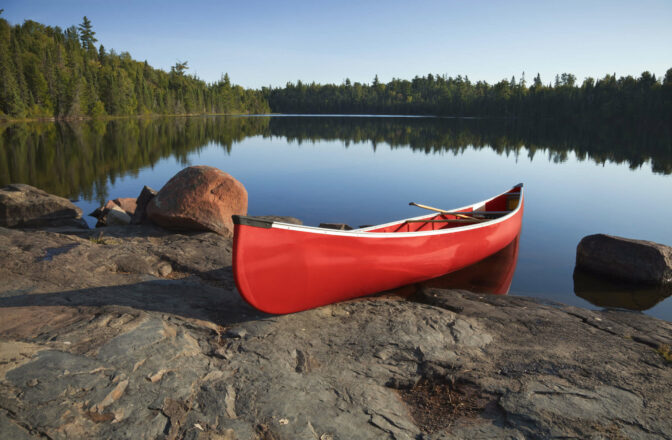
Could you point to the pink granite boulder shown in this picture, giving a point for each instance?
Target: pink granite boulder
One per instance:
(199, 198)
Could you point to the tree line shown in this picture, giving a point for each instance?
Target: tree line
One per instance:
(646, 99)
(79, 158)
(49, 72)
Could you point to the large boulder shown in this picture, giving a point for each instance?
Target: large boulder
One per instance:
(24, 206)
(624, 258)
(199, 198)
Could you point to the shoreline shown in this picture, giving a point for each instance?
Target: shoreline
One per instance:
(111, 117)
(4, 120)
(147, 330)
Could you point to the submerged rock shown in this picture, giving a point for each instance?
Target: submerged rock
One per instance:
(24, 206)
(626, 259)
(199, 198)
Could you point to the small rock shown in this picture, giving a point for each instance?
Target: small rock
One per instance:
(97, 213)
(237, 333)
(337, 226)
(128, 204)
(101, 213)
(157, 376)
(125, 205)
(140, 214)
(164, 269)
(627, 259)
(113, 396)
(133, 264)
(110, 204)
(117, 217)
(24, 206)
(199, 198)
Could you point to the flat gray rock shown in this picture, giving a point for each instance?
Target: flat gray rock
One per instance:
(96, 343)
(24, 206)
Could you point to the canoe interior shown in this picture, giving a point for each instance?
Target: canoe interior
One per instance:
(501, 204)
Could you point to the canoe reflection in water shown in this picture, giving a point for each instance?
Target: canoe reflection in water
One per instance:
(491, 275)
(603, 292)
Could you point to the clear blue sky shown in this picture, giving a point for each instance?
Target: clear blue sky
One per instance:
(272, 42)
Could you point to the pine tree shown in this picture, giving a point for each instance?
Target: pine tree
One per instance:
(86, 34)
(180, 67)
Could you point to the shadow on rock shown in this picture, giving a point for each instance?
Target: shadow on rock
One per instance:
(184, 297)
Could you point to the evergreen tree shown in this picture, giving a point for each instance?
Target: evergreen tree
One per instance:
(48, 72)
(86, 34)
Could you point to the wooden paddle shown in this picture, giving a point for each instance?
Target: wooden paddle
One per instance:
(459, 220)
(464, 215)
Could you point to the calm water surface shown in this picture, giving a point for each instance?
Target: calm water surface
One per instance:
(365, 170)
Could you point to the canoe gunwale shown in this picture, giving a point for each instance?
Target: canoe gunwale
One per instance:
(366, 232)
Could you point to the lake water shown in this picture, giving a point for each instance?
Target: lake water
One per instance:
(365, 170)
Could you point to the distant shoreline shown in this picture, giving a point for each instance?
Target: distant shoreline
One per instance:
(5, 120)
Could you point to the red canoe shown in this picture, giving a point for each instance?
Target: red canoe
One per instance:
(285, 268)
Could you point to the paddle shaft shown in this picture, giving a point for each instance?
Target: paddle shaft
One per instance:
(459, 220)
(464, 215)
(438, 210)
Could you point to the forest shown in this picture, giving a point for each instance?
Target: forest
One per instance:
(646, 100)
(47, 72)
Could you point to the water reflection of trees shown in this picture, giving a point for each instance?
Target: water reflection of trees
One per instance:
(78, 158)
(620, 144)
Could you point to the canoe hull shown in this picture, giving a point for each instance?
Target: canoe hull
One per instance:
(285, 269)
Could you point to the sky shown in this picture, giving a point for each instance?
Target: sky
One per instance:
(269, 43)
